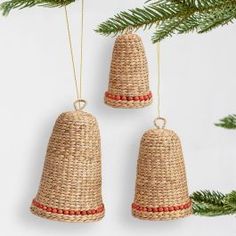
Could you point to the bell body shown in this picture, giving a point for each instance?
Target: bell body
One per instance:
(161, 184)
(129, 77)
(70, 188)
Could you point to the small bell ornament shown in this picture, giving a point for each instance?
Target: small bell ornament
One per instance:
(70, 188)
(161, 184)
(129, 77)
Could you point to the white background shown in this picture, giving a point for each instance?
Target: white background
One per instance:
(198, 88)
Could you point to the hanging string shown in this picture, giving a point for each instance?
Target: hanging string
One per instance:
(81, 45)
(158, 81)
(159, 122)
(78, 84)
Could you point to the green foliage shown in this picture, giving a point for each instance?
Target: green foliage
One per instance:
(7, 6)
(172, 16)
(228, 122)
(213, 203)
(231, 200)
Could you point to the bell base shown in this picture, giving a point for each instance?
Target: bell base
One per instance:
(66, 218)
(127, 104)
(162, 216)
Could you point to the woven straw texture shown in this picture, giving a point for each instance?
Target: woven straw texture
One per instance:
(129, 82)
(161, 185)
(70, 188)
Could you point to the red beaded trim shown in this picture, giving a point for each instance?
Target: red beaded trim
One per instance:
(68, 212)
(129, 98)
(162, 209)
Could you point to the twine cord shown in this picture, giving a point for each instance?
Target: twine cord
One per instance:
(159, 122)
(81, 45)
(158, 81)
(78, 83)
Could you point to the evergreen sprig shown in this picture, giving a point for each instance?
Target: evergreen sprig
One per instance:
(207, 203)
(172, 16)
(228, 122)
(7, 6)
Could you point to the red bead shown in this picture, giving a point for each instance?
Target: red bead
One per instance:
(54, 210)
(181, 207)
(149, 209)
(106, 94)
(160, 209)
(145, 98)
(133, 205)
(45, 208)
(49, 209)
(66, 212)
(89, 212)
(59, 211)
(129, 98)
(93, 211)
(141, 98)
(138, 208)
(109, 95)
(145, 209)
(165, 209)
(123, 98)
(77, 213)
(154, 209)
(136, 98)
(72, 212)
(171, 208)
(117, 97)
(83, 213)
(100, 209)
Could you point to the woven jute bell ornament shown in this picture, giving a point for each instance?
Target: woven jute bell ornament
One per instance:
(70, 188)
(129, 78)
(161, 184)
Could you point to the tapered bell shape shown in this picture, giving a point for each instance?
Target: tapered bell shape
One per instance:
(71, 183)
(161, 185)
(129, 77)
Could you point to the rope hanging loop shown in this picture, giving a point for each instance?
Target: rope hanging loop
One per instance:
(160, 122)
(80, 104)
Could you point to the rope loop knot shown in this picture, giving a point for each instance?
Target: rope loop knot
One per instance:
(160, 123)
(80, 104)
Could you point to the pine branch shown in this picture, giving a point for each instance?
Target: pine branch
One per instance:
(208, 197)
(228, 122)
(7, 6)
(213, 203)
(217, 18)
(166, 29)
(141, 17)
(173, 17)
(230, 200)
